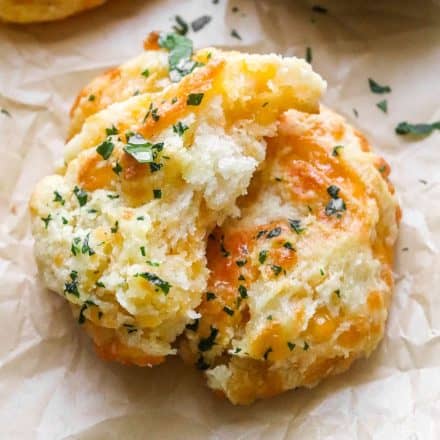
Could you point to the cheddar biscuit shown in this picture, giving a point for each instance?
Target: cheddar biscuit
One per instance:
(30, 11)
(121, 231)
(300, 283)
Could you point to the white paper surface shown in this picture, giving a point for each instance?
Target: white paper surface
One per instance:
(53, 386)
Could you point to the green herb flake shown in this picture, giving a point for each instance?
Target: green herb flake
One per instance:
(153, 263)
(228, 311)
(64, 220)
(241, 278)
(58, 198)
(200, 23)
(46, 220)
(274, 233)
(335, 151)
(377, 88)
(240, 263)
(404, 128)
(201, 364)
(210, 296)
(100, 284)
(142, 248)
(181, 27)
(225, 253)
(336, 205)
(81, 196)
(289, 246)
(86, 249)
(164, 286)
(194, 98)
(242, 291)
(81, 317)
(337, 293)
(157, 193)
(235, 34)
(321, 271)
(237, 350)
(142, 150)
(269, 317)
(333, 191)
(146, 73)
(261, 233)
(179, 60)
(71, 286)
(383, 105)
(206, 344)
(5, 112)
(276, 269)
(115, 228)
(296, 225)
(75, 248)
(306, 346)
(112, 131)
(291, 345)
(180, 128)
(105, 149)
(140, 218)
(154, 114)
(113, 196)
(262, 256)
(117, 168)
(309, 55)
(91, 98)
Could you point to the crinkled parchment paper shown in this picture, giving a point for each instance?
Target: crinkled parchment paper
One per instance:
(53, 386)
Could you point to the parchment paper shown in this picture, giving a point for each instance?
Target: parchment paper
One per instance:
(53, 386)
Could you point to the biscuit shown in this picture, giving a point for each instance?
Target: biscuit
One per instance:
(121, 231)
(300, 283)
(30, 11)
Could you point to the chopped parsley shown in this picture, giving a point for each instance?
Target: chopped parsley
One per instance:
(383, 105)
(179, 59)
(240, 263)
(91, 98)
(276, 269)
(86, 249)
(100, 284)
(180, 128)
(81, 195)
(5, 112)
(71, 287)
(274, 233)
(404, 128)
(130, 328)
(156, 281)
(142, 150)
(228, 310)
(142, 248)
(153, 263)
(289, 246)
(200, 23)
(154, 114)
(306, 346)
(64, 220)
(335, 151)
(210, 296)
(337, 293)
(117, 168)
(115, 228)
(309, 55)
(113, 196)
(201, 364)
(46, 220)
(296, 225)
(193, 326)
(181, 26)
(266, 353)
(111, 131)
(269, 317)
(206, 344)
(241, 278)
(242, 291)
(336, 205)
(157, 193)
(262, 256)
(235, 34)
(237, 350)
(86, 304)
(105, 149)
(58, 198)
(291, 345)
(223, 250)
(377, 88)
(261, 233)
(321, 271)
(146, 73)
(194, 99)
(74, 248)
(140, 218)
